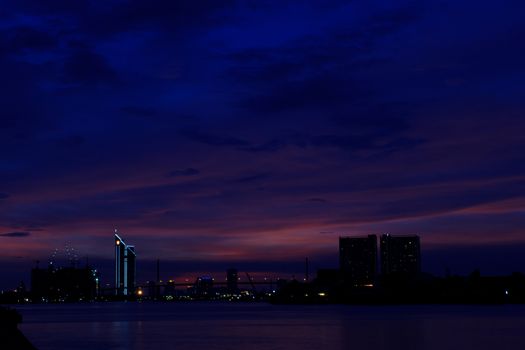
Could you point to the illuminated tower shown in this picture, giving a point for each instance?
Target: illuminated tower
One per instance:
(125, 272)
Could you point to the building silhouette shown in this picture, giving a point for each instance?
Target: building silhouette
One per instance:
(358, 260)
(231, 281)
(125, 267)
(203, 287)
(169, 289)
(400, 255)
(56, 284)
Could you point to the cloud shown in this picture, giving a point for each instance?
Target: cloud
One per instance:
(270, 146)
(345, 142)
(164, 16)
(15, 234)
(72, 141)
(36, 7)
(326, 92)
(379, 119)
(142, 112)
(372, 139)
(252, 178)
(389, 21)
(212, 139)
(317, 200)
(85, 67)
(21, 39)
(184, 172)
(366, 142)
(323, 70)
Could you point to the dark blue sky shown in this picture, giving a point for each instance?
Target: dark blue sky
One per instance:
(254, 133)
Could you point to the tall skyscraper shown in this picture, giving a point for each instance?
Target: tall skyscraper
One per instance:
(358, 260)
(125, 267)
(400, 255)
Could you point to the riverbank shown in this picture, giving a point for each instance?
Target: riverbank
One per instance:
(10, 336)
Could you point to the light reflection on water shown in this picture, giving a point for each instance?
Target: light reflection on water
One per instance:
(201, 325)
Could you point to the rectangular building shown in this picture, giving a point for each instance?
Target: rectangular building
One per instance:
(400, 255)
(64, 284)
(358, 260)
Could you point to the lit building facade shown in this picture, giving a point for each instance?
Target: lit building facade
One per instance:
(358, 260)
(125, 267)
(400, 255)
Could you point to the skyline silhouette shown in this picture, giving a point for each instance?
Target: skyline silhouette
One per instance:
(185, 271)
(368, 273)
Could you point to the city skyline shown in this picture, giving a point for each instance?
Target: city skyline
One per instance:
(248, 134)
(367, 273)
(362, 262)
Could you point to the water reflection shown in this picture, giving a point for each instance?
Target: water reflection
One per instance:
(261, 326)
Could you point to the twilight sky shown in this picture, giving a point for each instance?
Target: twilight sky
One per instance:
(254, 133)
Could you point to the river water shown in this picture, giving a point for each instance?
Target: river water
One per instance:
(207, 325)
